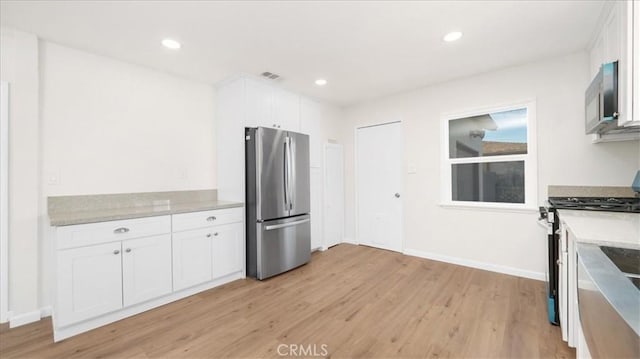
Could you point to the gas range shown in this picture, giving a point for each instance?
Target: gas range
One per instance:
(548, 220)
(613, 204)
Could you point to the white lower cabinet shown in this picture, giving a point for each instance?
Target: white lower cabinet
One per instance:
(103, 274)
(146, 268)
(89, 282)
(191, 258)
(227, 249)
(203, 254)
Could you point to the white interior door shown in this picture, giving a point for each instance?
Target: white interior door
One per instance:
(316, 208)
(4, 201)
(379, 186)
(333, 194)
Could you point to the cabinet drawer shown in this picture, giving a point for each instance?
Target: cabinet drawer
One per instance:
(193, 220)
(103, 232)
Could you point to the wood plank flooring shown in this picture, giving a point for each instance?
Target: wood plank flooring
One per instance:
(356, 300)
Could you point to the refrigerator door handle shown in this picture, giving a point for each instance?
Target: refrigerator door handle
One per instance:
(284, 225)
(292, 174)
(286, 173)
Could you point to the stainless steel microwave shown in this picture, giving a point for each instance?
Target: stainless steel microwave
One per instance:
(601, 100)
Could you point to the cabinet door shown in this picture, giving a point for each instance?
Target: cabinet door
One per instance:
(612, 35)
(636, 63)
(191, 258)
(146, 268)
(316, 208)
(259, 104)
(311, 124)
(227, 249)
(89, 282)
(286, 110)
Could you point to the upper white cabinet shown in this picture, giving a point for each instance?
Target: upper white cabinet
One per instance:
(616, 40)
(286, 110)
(312, 124)
(248, 102)
(258, 103)
(268, 106)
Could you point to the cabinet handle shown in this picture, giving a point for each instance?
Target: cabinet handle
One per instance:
(128, 250)
(215, 234)
(211, 219)
(121, 230)
(208, 235)
(117, 251)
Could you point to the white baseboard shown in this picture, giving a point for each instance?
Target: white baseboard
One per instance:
(24, 318)
(46, 311)
(29, 317)
(476, 264)
(349, 240)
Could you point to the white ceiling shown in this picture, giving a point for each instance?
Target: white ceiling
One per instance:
(364, 49)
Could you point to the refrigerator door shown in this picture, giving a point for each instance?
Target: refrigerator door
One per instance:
(300, 176)
(283, 245)
(271, 169)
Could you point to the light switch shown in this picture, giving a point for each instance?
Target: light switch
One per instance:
(53, 179)
(412, 169)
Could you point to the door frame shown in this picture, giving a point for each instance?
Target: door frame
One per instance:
(355, 179)
(4, 202)
(324, 191)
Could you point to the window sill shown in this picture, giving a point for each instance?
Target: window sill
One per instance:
(492, 207)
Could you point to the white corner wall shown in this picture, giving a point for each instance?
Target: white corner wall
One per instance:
(19, 67)
(504, 241)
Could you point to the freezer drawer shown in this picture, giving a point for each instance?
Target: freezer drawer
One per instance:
(283, 245)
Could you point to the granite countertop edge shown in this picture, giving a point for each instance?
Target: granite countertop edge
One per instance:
(614, 237)
(72, 218)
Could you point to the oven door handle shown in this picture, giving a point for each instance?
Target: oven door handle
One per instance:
(543, 223)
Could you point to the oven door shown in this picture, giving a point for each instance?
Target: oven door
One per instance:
(547, 219)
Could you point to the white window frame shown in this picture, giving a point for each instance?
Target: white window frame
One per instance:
(530, 159)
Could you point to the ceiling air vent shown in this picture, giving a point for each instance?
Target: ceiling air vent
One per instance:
(270, 75)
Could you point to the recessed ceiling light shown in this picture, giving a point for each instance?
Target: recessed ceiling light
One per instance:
(171, 44)
(452, 36)
(321, 82)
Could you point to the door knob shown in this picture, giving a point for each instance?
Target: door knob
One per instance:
(397, 195)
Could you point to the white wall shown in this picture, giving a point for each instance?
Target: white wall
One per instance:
(112, 127)
(19, 67)
(85, 124)
(509, 240)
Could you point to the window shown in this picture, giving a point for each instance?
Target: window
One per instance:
(490, 158)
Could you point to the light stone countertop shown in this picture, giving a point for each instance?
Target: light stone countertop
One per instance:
(589, 191)
(603, 228)
(70, 210)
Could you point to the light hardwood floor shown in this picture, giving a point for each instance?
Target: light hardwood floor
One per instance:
(359, 301)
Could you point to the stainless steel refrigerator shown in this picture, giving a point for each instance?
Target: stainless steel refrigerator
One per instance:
(278, 201)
